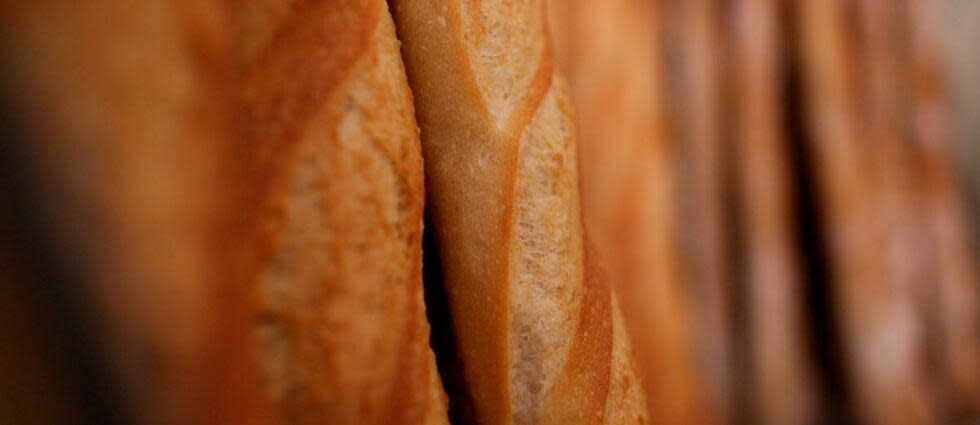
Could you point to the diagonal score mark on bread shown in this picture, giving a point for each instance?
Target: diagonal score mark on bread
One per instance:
(533, 322)
(507, 50)
(509, 60)
(547, 264)
(308, 52)
(336, 160)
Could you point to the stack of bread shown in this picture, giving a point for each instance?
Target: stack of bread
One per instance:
(679, 212)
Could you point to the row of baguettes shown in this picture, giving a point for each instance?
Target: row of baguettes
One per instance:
(252, 203)
(337, 164)
(222, 204)
(537, 324)
(639, 135)
(902, 275)
(788, 79)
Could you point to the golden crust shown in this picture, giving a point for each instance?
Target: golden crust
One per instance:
(481, 341)
(585, 380)
(502, 182)
(335, 158)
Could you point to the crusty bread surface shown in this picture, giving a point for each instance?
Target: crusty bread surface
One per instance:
(335, 159)
(533, 316)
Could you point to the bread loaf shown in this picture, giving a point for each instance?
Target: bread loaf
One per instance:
(335, 158)
(781, 373)
(614, 60)
(955, 255)
(886, 103)
(696, 68)
(127, 111)
(875, 314)
(537, 328)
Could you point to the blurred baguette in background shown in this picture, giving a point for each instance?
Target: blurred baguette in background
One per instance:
(781, 369)
(125, 174)
(875, 312)
(953, 247)
(612, 54)
(695, 57)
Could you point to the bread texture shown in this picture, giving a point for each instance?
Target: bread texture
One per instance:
(128, 116)
(335, 158)
(536, 327)
(614, 62)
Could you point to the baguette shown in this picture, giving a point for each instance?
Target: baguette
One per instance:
(537, 328)
(697, 121)
(611, 53)
(955, 255)
(128, 112)
(881, 89)
(780, 368)
(875, 314)
(335, 158)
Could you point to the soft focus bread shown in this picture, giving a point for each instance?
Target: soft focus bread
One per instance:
(780, 364)
(614, 62)
(128, 118)
(873, 311)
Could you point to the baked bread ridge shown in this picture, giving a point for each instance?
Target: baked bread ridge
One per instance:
(337, 217)
(532, 320)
